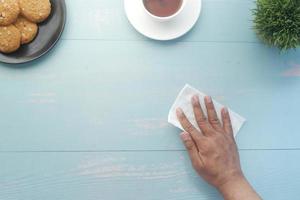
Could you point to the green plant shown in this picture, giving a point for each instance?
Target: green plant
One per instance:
(277, 22)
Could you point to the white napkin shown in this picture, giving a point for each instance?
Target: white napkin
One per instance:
(184, 102)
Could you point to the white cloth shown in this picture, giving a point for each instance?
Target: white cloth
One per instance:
(184, 102)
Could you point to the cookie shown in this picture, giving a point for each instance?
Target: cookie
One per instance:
(10, 39)
(9, 11)
(35, 10)
(27, 29)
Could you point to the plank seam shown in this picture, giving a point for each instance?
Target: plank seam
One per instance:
(190, 41)
(135, 150)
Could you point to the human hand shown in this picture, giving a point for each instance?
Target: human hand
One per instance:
(212, 150)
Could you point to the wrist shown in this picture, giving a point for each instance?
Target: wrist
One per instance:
(233, 182)
(238, 188)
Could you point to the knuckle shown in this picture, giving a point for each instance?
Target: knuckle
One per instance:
(229, 129)
(189, 127)
(210, 105)
(201, 122)
(227, 118)
(197, 105)
(189, 144)
(214, 121)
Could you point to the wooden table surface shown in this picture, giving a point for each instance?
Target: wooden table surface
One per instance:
(88, 120)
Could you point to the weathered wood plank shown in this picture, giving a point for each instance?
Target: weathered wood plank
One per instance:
(93, 95)
(220, 20)
(136, 175)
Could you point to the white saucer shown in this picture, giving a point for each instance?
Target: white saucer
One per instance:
(156, 30)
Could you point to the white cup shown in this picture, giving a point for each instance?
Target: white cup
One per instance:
(167, 18)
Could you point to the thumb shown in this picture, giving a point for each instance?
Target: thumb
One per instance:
(191, 149)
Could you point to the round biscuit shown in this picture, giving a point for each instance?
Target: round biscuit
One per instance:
(35, 10)
(9, 11)
(10, 39)
(27, 29)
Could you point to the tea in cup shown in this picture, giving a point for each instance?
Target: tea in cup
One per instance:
(163, 10)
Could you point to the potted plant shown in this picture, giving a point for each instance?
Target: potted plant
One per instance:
(277, 23)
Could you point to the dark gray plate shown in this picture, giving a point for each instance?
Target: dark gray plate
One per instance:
(48, 35)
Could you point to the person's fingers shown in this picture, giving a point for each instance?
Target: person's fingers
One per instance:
(200, 116)
(192, 150)
(226, 121)
(187, 126)
(212, 114)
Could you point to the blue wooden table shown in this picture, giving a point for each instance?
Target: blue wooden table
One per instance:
(88, 121)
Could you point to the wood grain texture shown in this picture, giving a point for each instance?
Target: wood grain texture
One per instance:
(136, 175)
(96, 95)
(220, 20)
(106, 90)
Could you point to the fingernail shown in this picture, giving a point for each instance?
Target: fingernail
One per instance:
(179, 111)
(208, 99)
(195, 100)
(185, 136)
